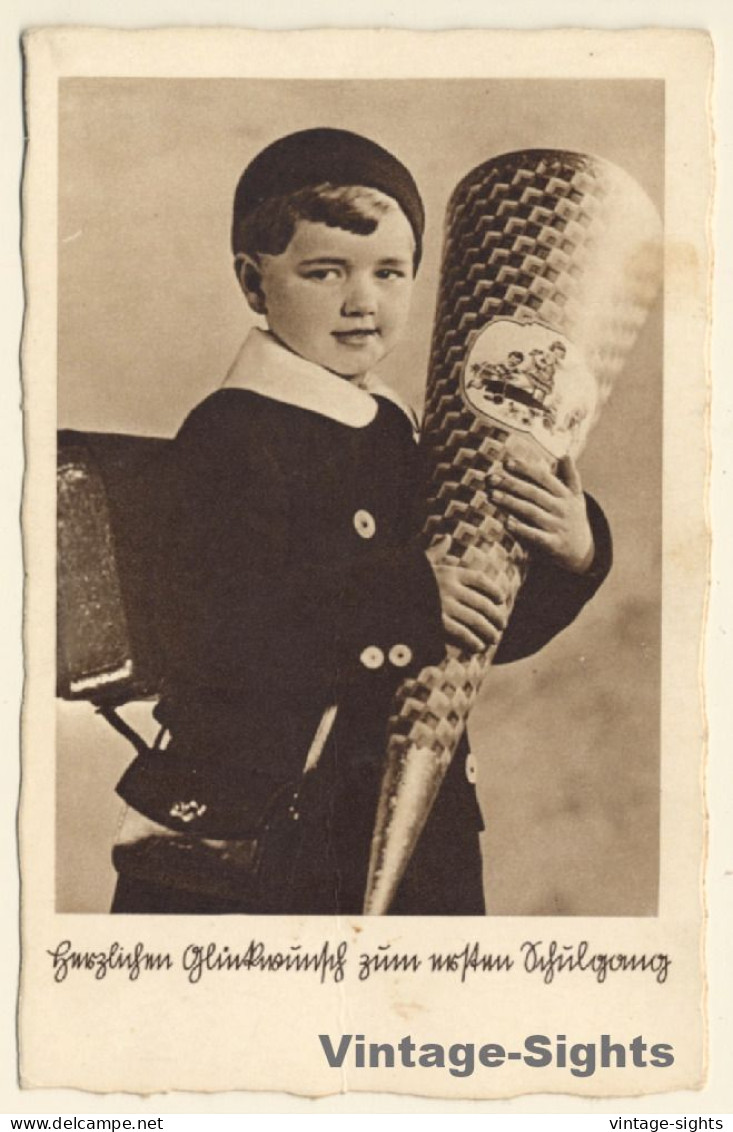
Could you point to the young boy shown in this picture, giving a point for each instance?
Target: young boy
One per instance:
(293, 589)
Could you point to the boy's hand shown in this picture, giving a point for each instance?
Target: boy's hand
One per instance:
(547, 511)
(474, 606)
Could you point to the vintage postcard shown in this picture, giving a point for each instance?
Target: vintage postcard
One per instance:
(365, 377)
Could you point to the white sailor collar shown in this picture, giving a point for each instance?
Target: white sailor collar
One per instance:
(263, 365)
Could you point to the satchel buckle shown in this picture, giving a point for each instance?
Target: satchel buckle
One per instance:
(188, 811)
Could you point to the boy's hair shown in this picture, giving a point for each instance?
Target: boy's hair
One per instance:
(269, 228)
(319, 174)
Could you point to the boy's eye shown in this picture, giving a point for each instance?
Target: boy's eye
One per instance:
(391, 273)
(321, 274)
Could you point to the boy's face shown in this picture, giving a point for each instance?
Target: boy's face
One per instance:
(337, 298)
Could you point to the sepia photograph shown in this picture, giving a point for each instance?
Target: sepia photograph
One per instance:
(328, 356)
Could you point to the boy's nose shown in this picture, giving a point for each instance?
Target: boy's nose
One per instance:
(359, 299)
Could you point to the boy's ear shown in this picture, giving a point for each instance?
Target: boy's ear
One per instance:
(249, 275)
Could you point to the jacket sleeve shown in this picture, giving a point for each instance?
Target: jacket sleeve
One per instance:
(551, 597)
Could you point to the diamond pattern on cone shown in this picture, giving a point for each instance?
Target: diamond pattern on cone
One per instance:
(551, 261)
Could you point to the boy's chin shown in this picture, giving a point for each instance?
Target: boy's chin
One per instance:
(350, 367)
(325, 358)
(343, 361)
(356, 363)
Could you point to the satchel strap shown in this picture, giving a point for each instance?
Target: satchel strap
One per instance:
(123, 728)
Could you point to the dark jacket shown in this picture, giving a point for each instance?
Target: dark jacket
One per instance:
(291, 576)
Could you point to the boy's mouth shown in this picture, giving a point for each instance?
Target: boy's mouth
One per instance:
(355, 337)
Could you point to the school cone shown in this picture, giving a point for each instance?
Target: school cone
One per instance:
(551, 262)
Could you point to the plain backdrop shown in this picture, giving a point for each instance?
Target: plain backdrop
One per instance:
(150, 317)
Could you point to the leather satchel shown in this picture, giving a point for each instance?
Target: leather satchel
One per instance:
(106, 508)
(235, 843)
(255, 867)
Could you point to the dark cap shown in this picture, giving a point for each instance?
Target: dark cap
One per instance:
(328, 156)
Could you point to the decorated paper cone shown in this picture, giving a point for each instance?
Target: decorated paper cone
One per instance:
(550, 265)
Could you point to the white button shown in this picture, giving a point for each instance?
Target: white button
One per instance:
(365, 524)
(372, 657)
(400, 655)
(471, 768)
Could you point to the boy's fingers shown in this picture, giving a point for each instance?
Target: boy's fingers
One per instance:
(568, 473)
(538, 473)
(529, 534)
(485, 584)
(525, 489)
(541, 516)
(497, 614)
(463, 636)
(474, 622)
